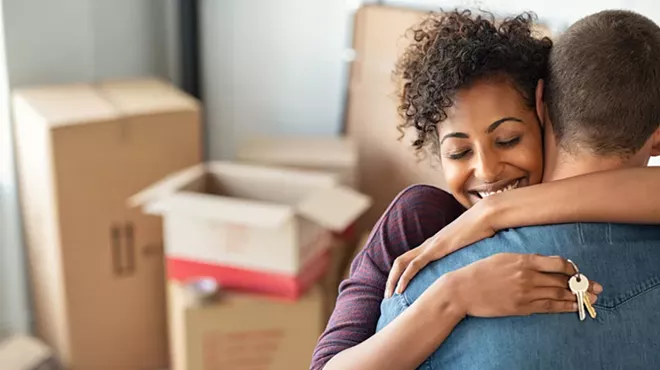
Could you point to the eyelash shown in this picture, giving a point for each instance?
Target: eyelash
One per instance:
(505, 144)
(511, 142)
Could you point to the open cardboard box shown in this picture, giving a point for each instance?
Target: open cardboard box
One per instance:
(248, 216)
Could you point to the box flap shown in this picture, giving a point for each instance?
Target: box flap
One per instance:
(334, 208)
(167, 186)
(146, 96)
(23, 352)
(222, 209)
(66, 105)
(320, 152)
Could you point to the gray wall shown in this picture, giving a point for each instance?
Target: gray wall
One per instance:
(272, 67)
(81, 40)
(68, 41)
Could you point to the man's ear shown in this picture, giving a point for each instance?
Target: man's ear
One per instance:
(655, 145)
(540, 104)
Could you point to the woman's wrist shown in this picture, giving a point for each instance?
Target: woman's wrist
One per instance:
(446, 298)
(492, 211)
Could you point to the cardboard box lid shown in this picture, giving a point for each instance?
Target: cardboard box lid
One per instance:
(318, 197)
(301, 151)
(334, 208)
(146, 96)
(66, 105)
(21, 352)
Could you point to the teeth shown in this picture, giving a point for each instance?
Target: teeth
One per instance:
(485, 194)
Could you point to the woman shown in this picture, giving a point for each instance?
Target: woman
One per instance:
(469, 90)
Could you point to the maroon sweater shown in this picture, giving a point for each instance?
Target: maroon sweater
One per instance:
(416, 214)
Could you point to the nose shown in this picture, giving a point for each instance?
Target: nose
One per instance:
(488, 167)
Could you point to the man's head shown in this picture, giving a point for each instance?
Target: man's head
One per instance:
(602, 94)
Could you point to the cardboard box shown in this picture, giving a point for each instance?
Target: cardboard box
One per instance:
(96, 267)
(21, 352)
(241, 332)
(248, 216)
(336, 155)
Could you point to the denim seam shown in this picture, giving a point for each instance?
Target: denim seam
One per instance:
(580, 235)
(406, 303)
(646, 286)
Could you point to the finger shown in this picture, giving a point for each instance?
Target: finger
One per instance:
(544, 279)
(552, 306)
(398, 267)
(555, 264)
(413, 268)
(551, 293)
(594, 287)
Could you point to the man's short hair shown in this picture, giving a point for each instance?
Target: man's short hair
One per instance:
(603, 88)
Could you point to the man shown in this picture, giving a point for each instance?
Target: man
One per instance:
(602, 111)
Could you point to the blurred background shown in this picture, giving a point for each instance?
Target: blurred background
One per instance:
(101, 99)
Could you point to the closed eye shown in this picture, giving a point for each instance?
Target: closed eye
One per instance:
(457, 155)
(509, 143)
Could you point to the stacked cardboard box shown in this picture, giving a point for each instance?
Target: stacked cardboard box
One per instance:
(337, 155)
(271, 230)
(243, 331)
(96, 266)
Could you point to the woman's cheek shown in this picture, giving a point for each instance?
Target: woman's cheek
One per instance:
(456, 174)
(531, 159)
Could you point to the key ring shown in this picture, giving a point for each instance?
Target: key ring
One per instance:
(577, 270)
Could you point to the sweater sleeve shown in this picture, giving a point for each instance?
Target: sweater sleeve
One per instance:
(416, 214)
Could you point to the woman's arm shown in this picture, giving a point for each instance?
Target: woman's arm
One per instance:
(622, 196)
(408, 340)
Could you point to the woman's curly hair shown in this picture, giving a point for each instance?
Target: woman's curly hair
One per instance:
(450, 51)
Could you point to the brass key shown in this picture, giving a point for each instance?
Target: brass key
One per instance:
(590, 308)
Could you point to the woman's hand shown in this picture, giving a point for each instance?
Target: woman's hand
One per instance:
(512, 284)
(473, 225)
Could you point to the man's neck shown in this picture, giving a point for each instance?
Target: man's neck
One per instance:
(565, 165)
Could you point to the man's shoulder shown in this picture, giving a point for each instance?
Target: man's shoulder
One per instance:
(577, 232)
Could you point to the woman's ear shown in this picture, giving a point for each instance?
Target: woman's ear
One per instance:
(540, 104)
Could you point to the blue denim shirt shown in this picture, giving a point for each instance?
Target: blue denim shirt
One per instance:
(625, 259)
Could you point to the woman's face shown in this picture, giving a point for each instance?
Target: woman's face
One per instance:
(490, 142)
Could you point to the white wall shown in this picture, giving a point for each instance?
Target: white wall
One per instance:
(67, 41)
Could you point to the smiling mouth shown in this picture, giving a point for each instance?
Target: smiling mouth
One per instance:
(486, 193)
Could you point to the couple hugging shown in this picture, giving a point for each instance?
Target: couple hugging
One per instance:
(544, 147)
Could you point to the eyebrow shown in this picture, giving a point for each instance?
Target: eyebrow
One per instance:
(497, 123)
(492, 127)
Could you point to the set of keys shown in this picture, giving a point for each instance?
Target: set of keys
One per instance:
(579, 284)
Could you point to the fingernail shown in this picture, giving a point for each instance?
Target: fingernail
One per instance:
(598, 288)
